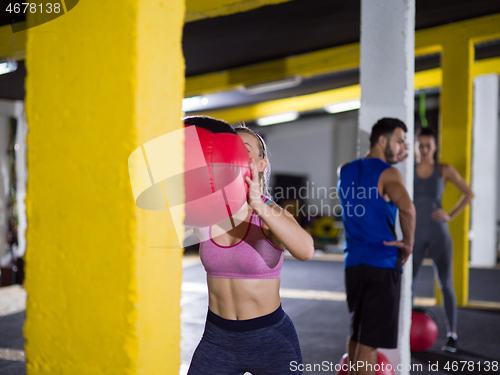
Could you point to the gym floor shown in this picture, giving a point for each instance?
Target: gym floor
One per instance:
(313, 296)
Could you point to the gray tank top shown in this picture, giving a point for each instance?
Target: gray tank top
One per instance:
(428, 192)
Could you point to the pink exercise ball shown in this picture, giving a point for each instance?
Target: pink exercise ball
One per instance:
(423, 332)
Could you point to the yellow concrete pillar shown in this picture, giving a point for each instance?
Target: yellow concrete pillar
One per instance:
(456, 146)
(103, 277)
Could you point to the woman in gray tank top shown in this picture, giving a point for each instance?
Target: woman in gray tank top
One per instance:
(432, 224)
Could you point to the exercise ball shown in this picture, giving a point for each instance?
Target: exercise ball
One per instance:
(423, 332)
(215, 166)
(383, 366)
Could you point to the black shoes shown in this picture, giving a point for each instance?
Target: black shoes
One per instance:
(451, 345)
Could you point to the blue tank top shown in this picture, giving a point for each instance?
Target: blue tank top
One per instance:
(368, 218)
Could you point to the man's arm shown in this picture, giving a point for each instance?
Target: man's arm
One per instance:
(391, 183)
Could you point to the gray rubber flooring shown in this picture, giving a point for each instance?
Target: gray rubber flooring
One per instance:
(322, 326)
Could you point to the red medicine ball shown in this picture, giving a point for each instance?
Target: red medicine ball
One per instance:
(216, 163)
(423, 332)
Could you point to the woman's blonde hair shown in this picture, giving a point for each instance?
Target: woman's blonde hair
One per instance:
(264, 176)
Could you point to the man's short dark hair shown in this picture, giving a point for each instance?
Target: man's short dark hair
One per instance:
(385, 127)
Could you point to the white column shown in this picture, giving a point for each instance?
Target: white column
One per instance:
(21, 175)
(4, 187)
(386, 75)
(8, 109)
(6, 112)
(484, 171)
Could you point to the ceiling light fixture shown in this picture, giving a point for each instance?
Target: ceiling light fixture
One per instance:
(278, 118)
(347, 105)
(282, 84)
(194, 103)
(8, 66)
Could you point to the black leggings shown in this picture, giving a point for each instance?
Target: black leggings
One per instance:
(267, 345)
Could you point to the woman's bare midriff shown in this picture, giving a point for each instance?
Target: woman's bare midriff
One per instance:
(242, 299)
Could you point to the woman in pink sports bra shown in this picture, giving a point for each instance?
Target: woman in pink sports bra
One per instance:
(246, 328)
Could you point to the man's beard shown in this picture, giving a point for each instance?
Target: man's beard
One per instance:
(390, 157)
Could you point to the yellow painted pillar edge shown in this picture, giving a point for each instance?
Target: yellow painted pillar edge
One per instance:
(486, 66)
(307, 65)
(456, 129)
(201, 9)
(300, 103)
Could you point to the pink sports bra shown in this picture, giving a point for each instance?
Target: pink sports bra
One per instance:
(254, 257)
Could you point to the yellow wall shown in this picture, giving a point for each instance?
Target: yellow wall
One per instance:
(102, 276)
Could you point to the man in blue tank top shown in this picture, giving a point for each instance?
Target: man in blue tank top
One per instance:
(371, 192)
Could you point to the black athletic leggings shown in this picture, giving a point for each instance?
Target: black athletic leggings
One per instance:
(267, 345)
